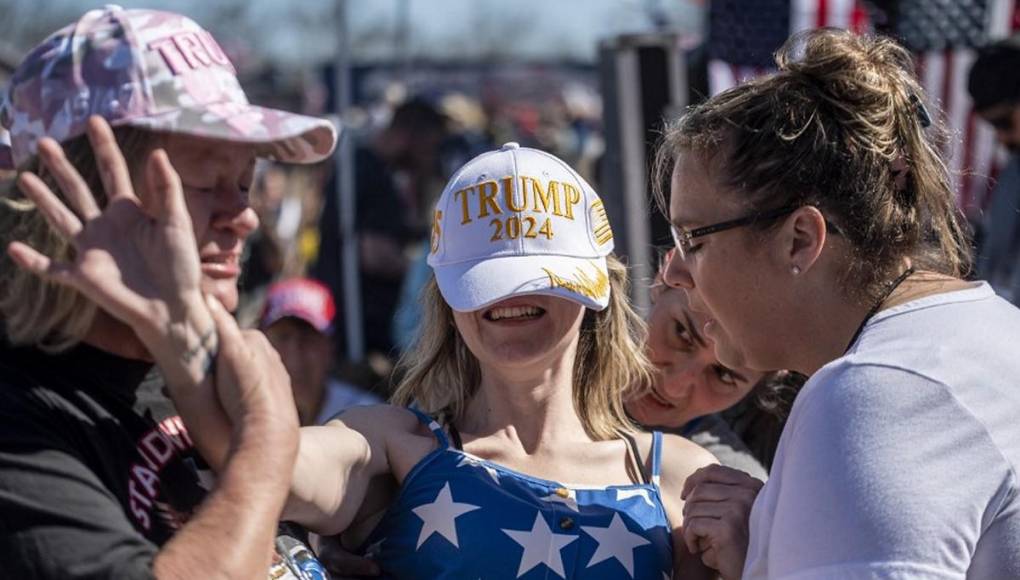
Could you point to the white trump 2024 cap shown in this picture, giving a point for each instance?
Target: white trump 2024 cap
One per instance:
(519, 221)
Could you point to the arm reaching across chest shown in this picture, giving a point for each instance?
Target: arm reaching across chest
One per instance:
(337, 461)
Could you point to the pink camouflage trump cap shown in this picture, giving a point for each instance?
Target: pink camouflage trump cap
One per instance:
(151, 70)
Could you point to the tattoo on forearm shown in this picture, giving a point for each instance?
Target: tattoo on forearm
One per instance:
(193, 352)
(210, 343)
(205, 352)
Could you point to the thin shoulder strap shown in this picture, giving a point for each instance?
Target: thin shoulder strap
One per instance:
(433, 426)
(458, 443)
(656, 457)
(635, 457)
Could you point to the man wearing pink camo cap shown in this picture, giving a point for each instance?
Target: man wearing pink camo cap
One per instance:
(129, 113)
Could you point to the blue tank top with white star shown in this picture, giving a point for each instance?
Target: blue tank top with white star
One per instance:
(459, 516)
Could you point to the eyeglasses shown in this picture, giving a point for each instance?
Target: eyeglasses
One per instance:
(683, 238)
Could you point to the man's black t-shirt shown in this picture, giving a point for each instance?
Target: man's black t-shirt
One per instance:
(96, 469)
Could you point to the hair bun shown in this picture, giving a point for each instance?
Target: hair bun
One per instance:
(847, 66)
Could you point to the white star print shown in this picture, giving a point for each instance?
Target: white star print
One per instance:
(622, 494)
(440, 516)
(616, 541)
(469, 460)
(541, 546)
(569, 500)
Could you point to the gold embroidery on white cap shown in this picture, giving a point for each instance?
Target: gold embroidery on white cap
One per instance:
(437, 230)
(492, 198)
(600, 223)
(593, 286)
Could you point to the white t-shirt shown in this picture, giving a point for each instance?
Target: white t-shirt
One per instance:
(900, 459)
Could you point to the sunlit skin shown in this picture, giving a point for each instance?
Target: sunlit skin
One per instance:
(770, 299)
(729, 301)
(690, 382)
(521, 343)
(216, 177)
(306, 353)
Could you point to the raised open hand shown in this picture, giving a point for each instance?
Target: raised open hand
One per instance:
(136, 258)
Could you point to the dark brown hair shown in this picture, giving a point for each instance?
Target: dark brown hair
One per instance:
(841, 126)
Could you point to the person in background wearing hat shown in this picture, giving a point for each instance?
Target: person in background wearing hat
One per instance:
(398, 176)
(298, 321)
(135, 147)
(994, 84)
(512, 452)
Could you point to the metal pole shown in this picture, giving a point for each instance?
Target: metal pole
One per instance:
(635, 178)
(346, 206)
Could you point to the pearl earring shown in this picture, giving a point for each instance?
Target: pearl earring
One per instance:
(796, 270)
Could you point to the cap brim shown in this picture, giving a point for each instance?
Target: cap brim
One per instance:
(283, 136)
(267, 321)
(473, 285)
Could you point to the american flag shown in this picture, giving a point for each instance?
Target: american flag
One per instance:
(942, 34)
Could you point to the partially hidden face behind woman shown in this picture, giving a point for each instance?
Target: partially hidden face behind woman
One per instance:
(690, 381)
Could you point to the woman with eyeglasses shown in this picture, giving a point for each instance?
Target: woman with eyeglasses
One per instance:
(691, 389)
(816, 230)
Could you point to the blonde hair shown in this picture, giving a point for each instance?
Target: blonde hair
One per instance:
(36, 312)
(841, 126)
(441, 375)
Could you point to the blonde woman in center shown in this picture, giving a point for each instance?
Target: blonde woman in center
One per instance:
(508, 453)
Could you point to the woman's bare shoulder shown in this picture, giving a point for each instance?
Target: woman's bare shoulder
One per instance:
(378, 422)
(681, 457)
(383, 414)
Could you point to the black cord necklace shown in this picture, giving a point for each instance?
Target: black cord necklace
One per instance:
(878, 304)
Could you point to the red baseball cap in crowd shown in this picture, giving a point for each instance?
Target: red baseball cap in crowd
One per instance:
(302, 298)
